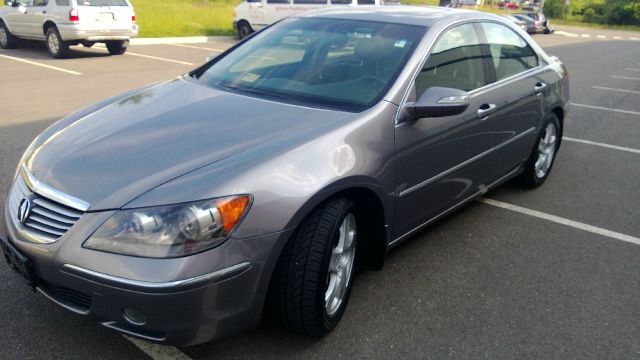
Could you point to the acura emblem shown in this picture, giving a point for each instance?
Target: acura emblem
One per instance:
(24, 210)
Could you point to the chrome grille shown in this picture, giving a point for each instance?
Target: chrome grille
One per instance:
(47, 221)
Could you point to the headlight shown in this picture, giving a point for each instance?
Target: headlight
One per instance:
(172, 230)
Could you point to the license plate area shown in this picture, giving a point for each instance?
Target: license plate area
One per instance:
(106, 17)
(18, 262)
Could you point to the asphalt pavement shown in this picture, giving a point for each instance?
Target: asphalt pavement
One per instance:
(486, 282)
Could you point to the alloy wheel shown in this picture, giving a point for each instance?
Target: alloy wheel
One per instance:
(341, 265)
(546, 151)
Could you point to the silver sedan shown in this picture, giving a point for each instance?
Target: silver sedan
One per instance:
(264, 179)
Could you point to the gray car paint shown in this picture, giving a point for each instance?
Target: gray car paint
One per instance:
(181, 141)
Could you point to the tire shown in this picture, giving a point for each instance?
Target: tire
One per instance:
(244, 29)
(544, 150)
(7, 40)
(117, 47)
(314, 262)
(57, 48)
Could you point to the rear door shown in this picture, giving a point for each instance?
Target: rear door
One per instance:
(517, 92)
(35, 17)
(105, 15)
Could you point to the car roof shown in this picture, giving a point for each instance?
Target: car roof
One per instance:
(411, 15)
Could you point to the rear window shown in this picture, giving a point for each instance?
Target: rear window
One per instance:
(102, 3)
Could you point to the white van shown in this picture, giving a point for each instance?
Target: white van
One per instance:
(253, 15)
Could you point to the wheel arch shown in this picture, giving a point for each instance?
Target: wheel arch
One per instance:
(374, 208)
(559, 112)
(48, 24)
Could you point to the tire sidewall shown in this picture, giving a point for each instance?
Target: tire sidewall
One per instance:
(244, 30)
(330, 321)
(549, 119)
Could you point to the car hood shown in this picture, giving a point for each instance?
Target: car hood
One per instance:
(119, 151)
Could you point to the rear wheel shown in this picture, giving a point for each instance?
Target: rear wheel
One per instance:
(56, 47)
(117, 47)
(313, 278)
(7, 40)
(244, 29)
(540, 162)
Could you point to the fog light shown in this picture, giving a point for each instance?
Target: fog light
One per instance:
(135, 317)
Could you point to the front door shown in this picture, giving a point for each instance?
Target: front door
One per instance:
(17, 18)
(443, 161)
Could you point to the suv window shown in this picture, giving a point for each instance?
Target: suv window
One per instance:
(456, 61)
(323, 2)
(40, 2)
(277, 1)
(510, 53)
(62, 2)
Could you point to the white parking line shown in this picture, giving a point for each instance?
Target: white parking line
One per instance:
(619, 90)
(585, 35)
(632, 69)
(606, 109)
(41, 65)
(608, 146)
(634, 38)
(624, 77)
(160, 58)
(567, 34)
(158, 352)
(601, 36)
(563, 221)
(197, 47)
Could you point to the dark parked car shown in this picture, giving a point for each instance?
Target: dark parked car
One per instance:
(522, 24)
(530, 26)
(540, 20)
(175, 212)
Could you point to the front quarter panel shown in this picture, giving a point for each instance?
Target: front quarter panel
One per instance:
(287, 182)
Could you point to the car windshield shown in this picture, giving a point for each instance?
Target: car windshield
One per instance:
(102, 3)
(338, 64)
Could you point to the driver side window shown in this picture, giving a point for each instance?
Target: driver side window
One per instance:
(40, 2)
(456, 61)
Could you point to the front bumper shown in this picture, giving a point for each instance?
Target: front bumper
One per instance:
(180, 312)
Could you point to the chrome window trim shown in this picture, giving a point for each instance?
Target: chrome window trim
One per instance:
(51, 193)
(541, 64)
(148, 285)
(464, 163)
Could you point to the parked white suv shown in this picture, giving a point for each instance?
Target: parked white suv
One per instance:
(253, 15)
(62, 23)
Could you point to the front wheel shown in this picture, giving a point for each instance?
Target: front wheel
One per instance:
(313, 278)
(538, 166)
(7, 40)
(56, 47)
(117, 47)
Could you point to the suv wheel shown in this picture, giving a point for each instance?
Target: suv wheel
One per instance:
(117, 47)
(313, 278)
(57, 48)
(7, 40)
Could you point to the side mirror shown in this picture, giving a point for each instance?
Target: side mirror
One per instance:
(438, 102)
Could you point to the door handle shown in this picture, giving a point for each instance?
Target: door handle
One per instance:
(486, 109)
(539, 87)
